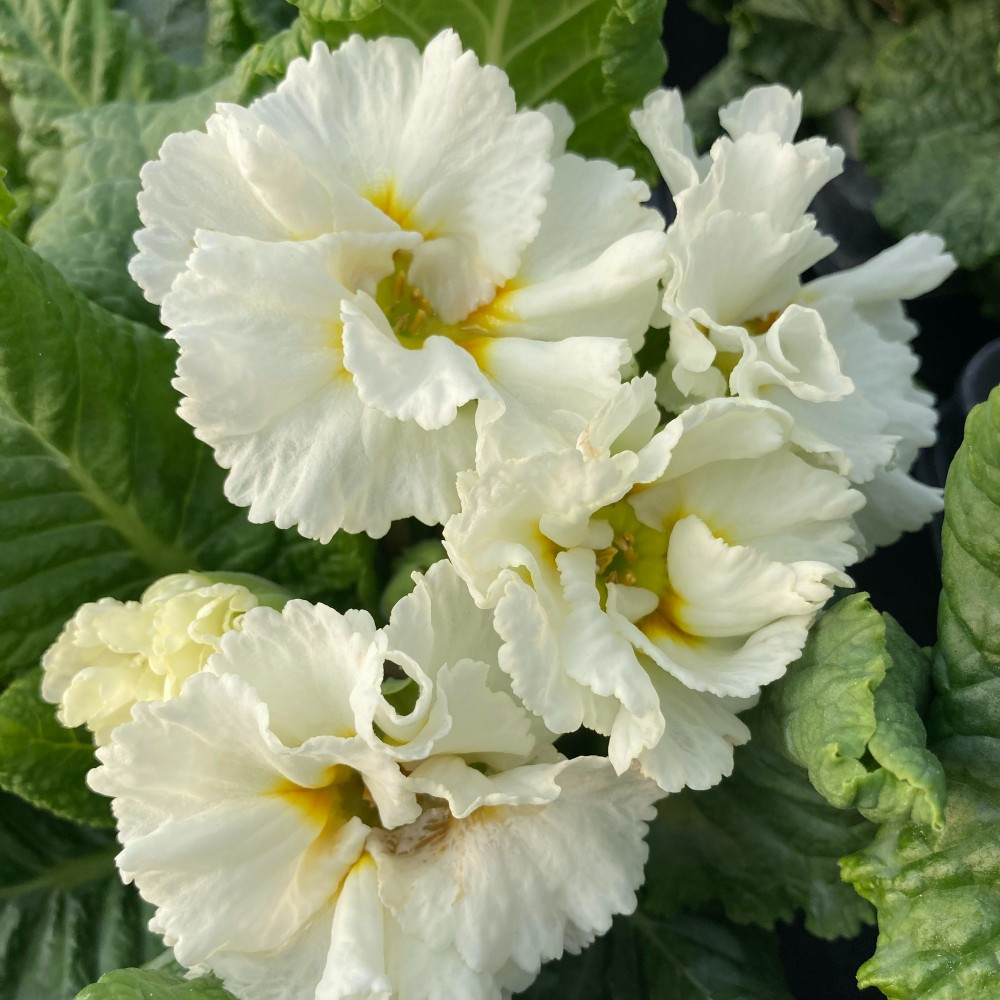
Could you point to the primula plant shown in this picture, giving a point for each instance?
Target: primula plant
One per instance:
(433, 485)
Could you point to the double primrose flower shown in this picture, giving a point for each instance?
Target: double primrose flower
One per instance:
(376, 264)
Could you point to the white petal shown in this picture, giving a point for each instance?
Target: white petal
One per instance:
(910, 268)
(696, 749)
(426, 385)
(761, 110)
(661, 126)
(895, 503)
(435, 141)
(545, 392)
(562, 124)
(318, 671)
(515, 882)
(210, 806)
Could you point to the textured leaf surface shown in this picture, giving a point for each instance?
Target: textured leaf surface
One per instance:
(58, 57)
(149, 984)
(764, 843)
(687, 958)
(599, 57)
(102, 487)
(849, 712)
(65, 916)
(938, 891)
(42, 761)
(87, 229)
(930, 129)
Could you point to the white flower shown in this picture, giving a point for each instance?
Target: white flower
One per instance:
(387, 260)
(833, 352)
(271, 811)
(641, 582)
(110, 655)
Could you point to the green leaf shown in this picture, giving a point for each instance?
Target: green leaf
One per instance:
(825, 48)
(44, 762)
(58, 57)
(337, 10)
(87, 229)
(7, 202)
(930, 129)
(150, 984)
(417, 558)
(599, 57)
(687, 958)
(763, 843)
(848, 711)
(938, 891)
(65, 917)
(102, 487)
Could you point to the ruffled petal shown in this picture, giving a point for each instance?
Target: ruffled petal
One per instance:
(517, 882)
(763, 110)
(662, 129)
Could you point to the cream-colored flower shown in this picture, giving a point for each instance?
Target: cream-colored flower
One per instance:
(642, 581)
(832, 352)
(374, 265)
(308, 827)
(111, 655)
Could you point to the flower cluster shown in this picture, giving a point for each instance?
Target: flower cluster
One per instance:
(395, 295)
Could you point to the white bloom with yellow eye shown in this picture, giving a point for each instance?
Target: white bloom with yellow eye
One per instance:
(833, 352)
(372, 265)
(641, 582)
(111, 655)
(356, 838)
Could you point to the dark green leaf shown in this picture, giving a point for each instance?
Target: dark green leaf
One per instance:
(930, 129)
(102, 487)
(764, 843)
(65, 917)
(44, 762)
(687, 958)
(599, 57)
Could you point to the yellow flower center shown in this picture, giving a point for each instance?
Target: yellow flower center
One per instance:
(413, 318)
(330, 806)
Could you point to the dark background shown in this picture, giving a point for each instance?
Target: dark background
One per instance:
(904, 579)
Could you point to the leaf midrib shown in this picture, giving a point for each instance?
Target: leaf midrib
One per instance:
(65, 875)
(161, 557)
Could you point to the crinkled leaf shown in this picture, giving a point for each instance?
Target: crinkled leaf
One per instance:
(44, 762)
(930, 129)
(938, 891)
(338, 10)
(599, 57)
(102, 487)
(825, 48)
(58, 57)
(848, 711)
(764, 843)
(151, 984)
(87, 229)
(686, 958)
(65, 916)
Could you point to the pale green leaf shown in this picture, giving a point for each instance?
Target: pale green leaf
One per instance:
(65, 917)
(337, 10)
(7, 202)
(151, 984)
(599, 57)
(930, 129)
(938, 891)
(58, 57)
(102, 487)
(848, 711)
(44, 762)
(87, 229)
